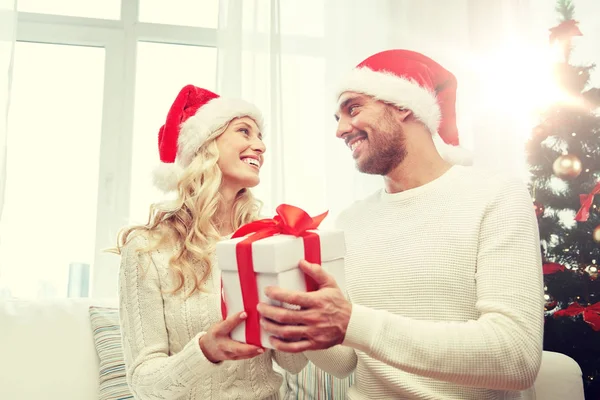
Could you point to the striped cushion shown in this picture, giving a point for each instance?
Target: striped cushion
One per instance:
(107, 338)
(312, 383)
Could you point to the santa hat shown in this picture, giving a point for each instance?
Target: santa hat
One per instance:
(414, 82)
(194, 117)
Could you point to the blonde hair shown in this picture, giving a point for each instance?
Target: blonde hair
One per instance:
(186, 223)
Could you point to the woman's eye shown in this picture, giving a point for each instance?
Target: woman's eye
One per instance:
(245, 131)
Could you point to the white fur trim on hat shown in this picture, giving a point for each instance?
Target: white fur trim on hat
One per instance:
(208, 119)
(394, 89)
(453, 154)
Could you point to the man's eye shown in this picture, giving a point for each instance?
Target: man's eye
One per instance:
(352, 110)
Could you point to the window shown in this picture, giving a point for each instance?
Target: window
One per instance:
(81, 87)
(303, 18)
(201, 13)
(297, 18)
(162, 70)
(304, 148)
(49, 217)
(106, 9)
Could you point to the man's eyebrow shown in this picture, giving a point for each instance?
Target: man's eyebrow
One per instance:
(347, 101)
(344, 104)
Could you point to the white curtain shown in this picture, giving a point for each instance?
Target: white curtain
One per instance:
(8, 27)
(286, 56)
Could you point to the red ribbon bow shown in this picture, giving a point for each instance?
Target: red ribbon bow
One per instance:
(552, 268)
(586, 203)
(591, 314)
(289, 220)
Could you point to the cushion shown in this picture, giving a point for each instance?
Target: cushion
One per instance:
(107, 338)
(312, 383)
(47, 350)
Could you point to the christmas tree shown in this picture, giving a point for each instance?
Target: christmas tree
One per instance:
(563, 155)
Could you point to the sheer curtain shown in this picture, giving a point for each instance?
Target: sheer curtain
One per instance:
(287, 56)
(8, 26)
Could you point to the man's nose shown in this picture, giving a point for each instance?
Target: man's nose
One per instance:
(344, 127)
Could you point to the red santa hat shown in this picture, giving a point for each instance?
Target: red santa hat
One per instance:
(194, 117)
(414, 82)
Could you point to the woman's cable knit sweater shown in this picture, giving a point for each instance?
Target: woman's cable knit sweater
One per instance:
(161, 332)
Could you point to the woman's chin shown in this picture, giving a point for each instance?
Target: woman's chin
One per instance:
(249, 182)
(253, 183)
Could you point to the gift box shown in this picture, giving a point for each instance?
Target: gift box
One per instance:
(266, 253)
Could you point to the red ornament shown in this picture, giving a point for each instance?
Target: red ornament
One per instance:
(550, 305)
(563, 33)
(538, 208)
(565, 30)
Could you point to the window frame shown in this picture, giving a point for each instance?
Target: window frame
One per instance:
(119, 38)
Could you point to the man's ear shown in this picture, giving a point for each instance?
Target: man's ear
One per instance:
(404, 114)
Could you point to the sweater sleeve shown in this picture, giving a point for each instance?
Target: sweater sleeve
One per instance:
(339, 361)
(293, 363)
(153, 373)
(502, 349)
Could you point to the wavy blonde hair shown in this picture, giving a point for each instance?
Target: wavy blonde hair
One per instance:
(186, 223)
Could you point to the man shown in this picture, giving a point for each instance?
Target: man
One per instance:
(443, 270)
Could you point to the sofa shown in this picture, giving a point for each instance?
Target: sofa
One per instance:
(50, 351)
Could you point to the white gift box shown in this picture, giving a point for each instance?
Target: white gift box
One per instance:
(275, 261)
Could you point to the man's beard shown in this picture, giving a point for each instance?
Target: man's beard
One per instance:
(386, 149)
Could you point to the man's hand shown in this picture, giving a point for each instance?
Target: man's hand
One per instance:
(319, 324)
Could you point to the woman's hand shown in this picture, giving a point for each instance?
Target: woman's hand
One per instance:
(218, 346)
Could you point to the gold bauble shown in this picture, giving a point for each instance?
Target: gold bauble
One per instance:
(567, 166)
(596, 234)
(540, 131)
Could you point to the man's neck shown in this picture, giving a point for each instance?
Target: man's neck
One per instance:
(414, 172)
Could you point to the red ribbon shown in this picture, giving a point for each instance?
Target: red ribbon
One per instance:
(586, 203)
(591, 314)
(289, 220)
(552, 268)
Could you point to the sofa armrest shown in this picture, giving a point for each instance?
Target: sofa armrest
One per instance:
(559, 378)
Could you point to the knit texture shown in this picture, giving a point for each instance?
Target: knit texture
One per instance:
(446, 285)
(160, 333)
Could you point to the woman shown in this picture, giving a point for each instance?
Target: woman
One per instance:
(176, 343)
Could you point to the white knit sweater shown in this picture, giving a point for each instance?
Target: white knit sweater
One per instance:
(446, 285)
(161, 332)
